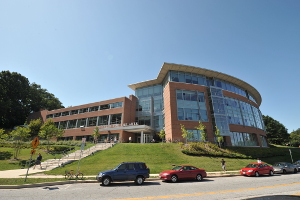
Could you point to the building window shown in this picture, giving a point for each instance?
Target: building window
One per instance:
(191, 105)
(104, 107)
(81, 122)
(116, 119)
(74, 112)
(103, 120)
(92, 121)
(72, 123)
(243, 139)
(65, 113)
(94, 108)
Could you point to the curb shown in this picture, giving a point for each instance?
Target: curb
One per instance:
(88, 181)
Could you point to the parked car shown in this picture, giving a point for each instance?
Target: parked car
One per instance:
(284, 167)
(183, 172)
(297, 164)
(257, 169)
(126, 171)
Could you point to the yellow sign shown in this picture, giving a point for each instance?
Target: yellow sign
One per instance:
(32, 152)
(35, 142)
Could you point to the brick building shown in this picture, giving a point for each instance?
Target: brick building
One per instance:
(179, 95)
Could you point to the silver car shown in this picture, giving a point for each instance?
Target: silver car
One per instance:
(297, 164)
(284, 167)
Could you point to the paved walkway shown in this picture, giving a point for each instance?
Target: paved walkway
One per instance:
(38, 173)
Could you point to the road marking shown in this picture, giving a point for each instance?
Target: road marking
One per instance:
(206, 193)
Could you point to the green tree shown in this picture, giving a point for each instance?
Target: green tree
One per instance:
(3, 135)
(41, 98)
(276, 132)
(295, 138)
(162, 134)
(35, 127)
(220, 138)
(18, 98)
(185, 133)
(50, 131)
(19, 135)
(14, 99)
(202, 128)
(96, 134)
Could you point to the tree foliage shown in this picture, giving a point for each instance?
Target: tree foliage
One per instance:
(185, 133)
(220, 138)
(18, 98)
(19, 135)
(295, 138)
(41, 98)
(14, 99)
(96, 134)
(35, 127)
(276, 132)
(162, 134)
(50, 131)
(202, 128)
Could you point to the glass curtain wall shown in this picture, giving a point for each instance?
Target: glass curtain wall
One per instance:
(149, 108)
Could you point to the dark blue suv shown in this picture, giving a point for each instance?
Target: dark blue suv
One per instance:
(126, 171)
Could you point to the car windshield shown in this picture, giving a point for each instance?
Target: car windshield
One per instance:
(251, 166)
(279, 164)
(177, 168)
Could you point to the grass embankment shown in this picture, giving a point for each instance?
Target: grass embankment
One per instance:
(159, 157)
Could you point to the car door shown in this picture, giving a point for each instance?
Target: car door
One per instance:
(183, 173)
(261, 169)
(121, 173)
(131, 171)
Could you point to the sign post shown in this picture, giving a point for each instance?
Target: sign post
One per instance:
(81, 149)
(291, 155)
(35, 142)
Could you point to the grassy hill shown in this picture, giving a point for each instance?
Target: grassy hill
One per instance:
(159, 157)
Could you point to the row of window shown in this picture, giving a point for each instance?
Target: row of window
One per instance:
(84, 110)
(243, 139)
(154, 90)
(91, 121)
(187, 77)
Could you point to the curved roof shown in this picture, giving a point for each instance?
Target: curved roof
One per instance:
(197, 70)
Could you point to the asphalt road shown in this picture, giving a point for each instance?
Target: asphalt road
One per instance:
(237, 187)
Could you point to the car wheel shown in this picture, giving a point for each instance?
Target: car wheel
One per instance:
(271, 173)
(106, 181)
(199, 177)
(139, 180)
(174, 178)
(295, 171)
(284, 171)
(256, 174)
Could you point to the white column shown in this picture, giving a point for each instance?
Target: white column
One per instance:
(142, 137)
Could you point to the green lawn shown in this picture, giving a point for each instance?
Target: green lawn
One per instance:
(159, 157)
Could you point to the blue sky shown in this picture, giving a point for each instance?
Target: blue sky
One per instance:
(89, 51)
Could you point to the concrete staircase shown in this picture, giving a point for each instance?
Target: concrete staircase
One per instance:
(77, 155)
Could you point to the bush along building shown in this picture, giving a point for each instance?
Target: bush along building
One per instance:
(180, 95)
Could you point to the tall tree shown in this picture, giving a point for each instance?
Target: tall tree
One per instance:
(18, 98)
(14, 99)
(295, 138)
(41, 98)
(185, 133)
(276, 132)
(201, 127)
(19, 135)
(96, 134)
(35, 127)
(50, 131)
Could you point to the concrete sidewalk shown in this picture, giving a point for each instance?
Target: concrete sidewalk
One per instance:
(38, 173)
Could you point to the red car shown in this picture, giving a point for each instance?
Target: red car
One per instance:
(257, 169)
(183, 172)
